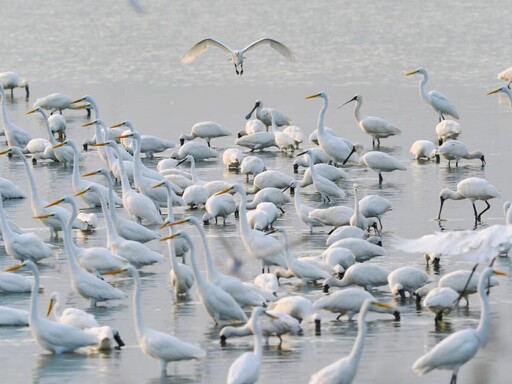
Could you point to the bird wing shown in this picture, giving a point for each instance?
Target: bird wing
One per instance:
(279, 47)
(197, 49)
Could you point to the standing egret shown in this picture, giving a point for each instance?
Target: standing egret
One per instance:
(456, 150)
(52, 336)
(423, 149)
(335, 147)
(407, 279)
(472, 188)
(381, 162)
(284, 141)
(219, 304)
(58, 102)
(374, 206)
(358, 219)
(441, 301)
(265, 115)
(303, 210)
(447, 129)
(252, 165)
(207, 130)
(436, 99)
(16, 136)
(344, 370)
(376, 127)
(366, 275)
(237, 55)
(460, 347)
(158, 345)
(246, 368)
(11, 80)
(148, 144)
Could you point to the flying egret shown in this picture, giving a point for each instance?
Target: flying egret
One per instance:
(207, 130)
(158, 345)
(349, 301)
(344, 370)
(436, 99)
(460, 347)
(472, 188)
(11, 80)
(456, 150)
(237, 55)
(52, 336)
(376, 127)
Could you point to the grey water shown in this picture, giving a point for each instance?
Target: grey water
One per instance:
(130, 63)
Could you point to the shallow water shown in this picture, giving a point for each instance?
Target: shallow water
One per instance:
(129, 63)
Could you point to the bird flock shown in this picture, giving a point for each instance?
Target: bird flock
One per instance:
(139, 202)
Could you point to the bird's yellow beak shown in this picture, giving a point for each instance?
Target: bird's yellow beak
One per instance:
(59, 145)
(90, 173)
(499, 273)
(313, 96)
(411, 73)
(115, 271)
(161, 184)
(167, 223)
(32, 111)
(170, 236)
(14, 268)
(117, 125)
(99, 144)
(224, 191)
(493, 92)
(82, 192)
(43, 216)
(77, 100)
(54, 203)
(90, 123)
(124, 136)
(382, 305)
(6, 151)
(50, 306)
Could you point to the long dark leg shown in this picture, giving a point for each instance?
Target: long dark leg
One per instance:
(467, 283)
(475, 212)
(241, 69)
(236, 70)
(454, 379)
(380, 179)
(479, 217)
(439, 317)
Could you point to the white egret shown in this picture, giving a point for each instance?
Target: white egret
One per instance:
(366, 275)
(298, 307)
(374, 206)
(246, 368)
(270, 195)
(318, 155)
(149, 145)
(265, 248)
(129, 229)
(265, 115)
(460, 347)
(344, 370)
(423, 149)
(38, 204)
(16, 136)
(207, 130)
(268, 282)
(257, 141)
(11, 283)
(198, 151)
(456, 150)
(219, 304)
(441, 301)
(464, 282)
(58, 102)
(284, 141)
(270, 178)
(52, 336)
(363, 250)
(376, 127)
(504, 89)
(327, 171)
(195, 194)
(274, 324)
(133, 251)
(335, 216)
(158, 345)
(295, 133)
(86, 284)
(349, 302)
(237, 55)
(407, 279)
(338, 256)
(358, 219)
(335, 147)
(232, 158)
(506, 75)
(252, 126)
(472, 188)
(9, 190)
(436, 99)
(258, 219)
(252, 165)
(303, 210)
(381, 162)
(139, 206)
(270, 209)
(219, 206)
(58, 126)
(447, 129)
(13, 316)
(63, 154)
(11, 80)
(24, 246)
(344, 232)
(74, 317)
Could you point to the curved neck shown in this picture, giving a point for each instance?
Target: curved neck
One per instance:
(94, 107)
(137, 310)
(112, 234)
(57, 308)
(290, 260)
(423, 92)
(193, 172)
(137, 164)
(211, 269)
(34, 309)
(356, 203)
(51, 138)
(170, 218)
(68, 241)
(76, 160)
(321, 116)
(111, 201)
(274, 127)
(35, 198)
(482, 330)
(453, 195)
(5, 118)
(357, 349)
(258, 340)
(4, 225)
(125, 183)
(357, 110)
(197, 274)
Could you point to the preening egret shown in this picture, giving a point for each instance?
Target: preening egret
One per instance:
(472, 188)
(366, 275)
(207, 130)
(407, 279)
(447, 129)
(50, 335)
(436, 99)
(344, 370)
(11, 80)
(456, 150)
(158, 345)
(219, 304)
(376, 127)
(460, 347)
(237, 55)
(424, 149)
(349, 302)
(16, 136)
